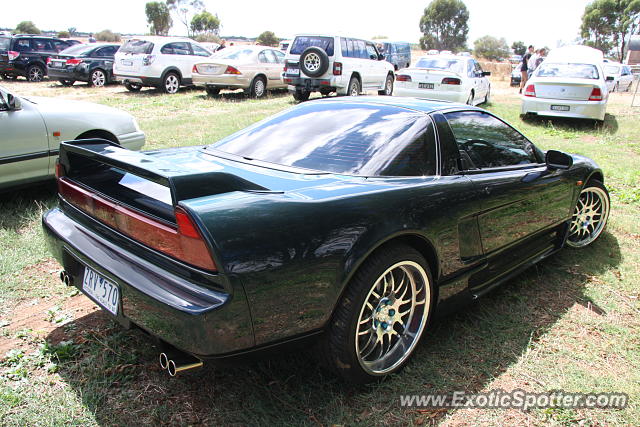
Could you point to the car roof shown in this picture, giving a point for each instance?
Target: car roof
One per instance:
(447, 56)
(423, 105)
(160, 39)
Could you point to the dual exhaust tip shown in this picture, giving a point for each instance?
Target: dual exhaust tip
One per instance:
(175, 363)
(65, 278)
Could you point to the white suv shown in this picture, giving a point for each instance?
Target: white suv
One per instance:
(345, 65)
(162, 62)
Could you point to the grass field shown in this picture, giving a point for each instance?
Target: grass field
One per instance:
(571, 323)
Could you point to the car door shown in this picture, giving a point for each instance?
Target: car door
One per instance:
(179, 55)
(376, 67)
(483, 82)
(523, 201)
(24, 146)
(44, 48)
(626, 79)
(103, 58)
(276, 62)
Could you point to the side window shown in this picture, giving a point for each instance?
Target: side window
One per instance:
(362, 49)
(418, 158)
(262, 57)
(199, 51)
(486, 142)
(478, 69)
(60, 45)
(43, 45)
(351, 44)
(178, 48)
(22, 45)
(470, 69)
(371, 52)
(279, 56)
(344, 47)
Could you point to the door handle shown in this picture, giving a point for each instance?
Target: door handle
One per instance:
(487, 190)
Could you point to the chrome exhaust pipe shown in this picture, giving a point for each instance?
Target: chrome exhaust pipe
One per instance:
(164, 361)
(175, 362)
(65, 278)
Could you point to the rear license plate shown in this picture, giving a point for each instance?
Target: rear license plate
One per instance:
(560, 107)
(425, 85)
(105, 292)
(293, 71)
(126, 63)
(58, 64)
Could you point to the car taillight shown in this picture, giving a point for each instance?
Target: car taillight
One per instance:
(148, 59)
(194, 69)
(403, 78)
(182, 241)
(451, 81)
(231, 70)
(74, 61)
(530, 91)
(596, 94)
(337, 68)
(12, 54)
(48, 61)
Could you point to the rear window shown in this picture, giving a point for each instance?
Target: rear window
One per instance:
(230, 53)
(441, 64)
(78, 49)
(352, 139)
(137, 46)
(5, 42)
(303, 42)
(572, 71)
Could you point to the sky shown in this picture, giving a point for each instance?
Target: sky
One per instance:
(539, 22)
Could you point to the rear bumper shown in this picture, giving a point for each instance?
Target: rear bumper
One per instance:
(594, 110)
(142, 80)
(14, 69)
(67, 74)
(222, 81)
(193, 317)
(335, 83)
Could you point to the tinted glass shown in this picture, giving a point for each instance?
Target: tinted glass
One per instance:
(59, 45)
(106, 52)
(361, 48)
(344, 47)
(454, 65)
(178, 48)
(573, 71)
(199, 51)
(22, 45)
(352, 47)
(136, 46)
(303, 42)
(279, 56)
(371, 52)
(4, 43)
(78, 49)
(341, 138)
(489, 142)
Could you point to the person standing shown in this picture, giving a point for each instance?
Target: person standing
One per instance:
(223, 44)
(524, 68)
(91, 38)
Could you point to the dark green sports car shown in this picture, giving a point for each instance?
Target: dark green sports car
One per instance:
(348, 221)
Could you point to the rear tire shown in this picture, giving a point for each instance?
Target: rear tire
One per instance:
(301, 95)
(487, 97)
(133, 87)
(258, 87)
(65, 82)
(212, 90)
(470, 99)
(381, 317)
(388, 87)
(354, 87)
(170, 83)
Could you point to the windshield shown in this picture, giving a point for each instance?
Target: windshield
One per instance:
(612, 69)
(231, 53)
(5, 42)
(572, 71)
(454, 65)
(78, 49)
(136, 46)
(303, 42)
(352, 139)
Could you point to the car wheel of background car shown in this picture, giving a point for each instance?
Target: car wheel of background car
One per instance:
(354, 86)
(9, 77)
(98, 78)
(470, 99)
(388, 86)
(258, 87)
(35, 73)
(212, 90)
(381, 317)
(301, 95)
(171, 83)
(314, 61)
(325, 92)
(590, 215)
(66, 82)
(132, 87)
(487, 97)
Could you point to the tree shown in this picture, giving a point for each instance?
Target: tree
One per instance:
(519, 48)
(607, 24)
(107, 36)
(205, 23)
(72, 30)
(491, 48)
(184, 8)
(268, 38)
(64, 35)
(159, 17)
(27, 27)
(444, 25)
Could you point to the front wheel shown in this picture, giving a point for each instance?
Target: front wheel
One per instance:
(388, 86)
(470, 99)
(590, 215)
(132, 87)
(35, 73)
(258, 88)
(98, 78)
(381, 317)
(487, 97)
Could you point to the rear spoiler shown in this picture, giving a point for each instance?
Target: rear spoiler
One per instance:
(80, 156)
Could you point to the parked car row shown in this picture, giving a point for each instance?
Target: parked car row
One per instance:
(26, 55)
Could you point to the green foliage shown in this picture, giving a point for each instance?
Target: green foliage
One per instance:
(107, 36)
(27, 27)
(444, 25)
(268, 38)
(159, 18)
(205, 23)
(64, 34)
(491, 48)
(72, 30)
(183, 9)
(207, 38)
(519, 48)
(607, 24)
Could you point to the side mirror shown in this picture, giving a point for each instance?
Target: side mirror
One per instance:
(558, 160)
(13, 103)
(609, 78)
(486, 73)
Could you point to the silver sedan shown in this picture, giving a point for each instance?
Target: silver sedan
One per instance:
(255, 69)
